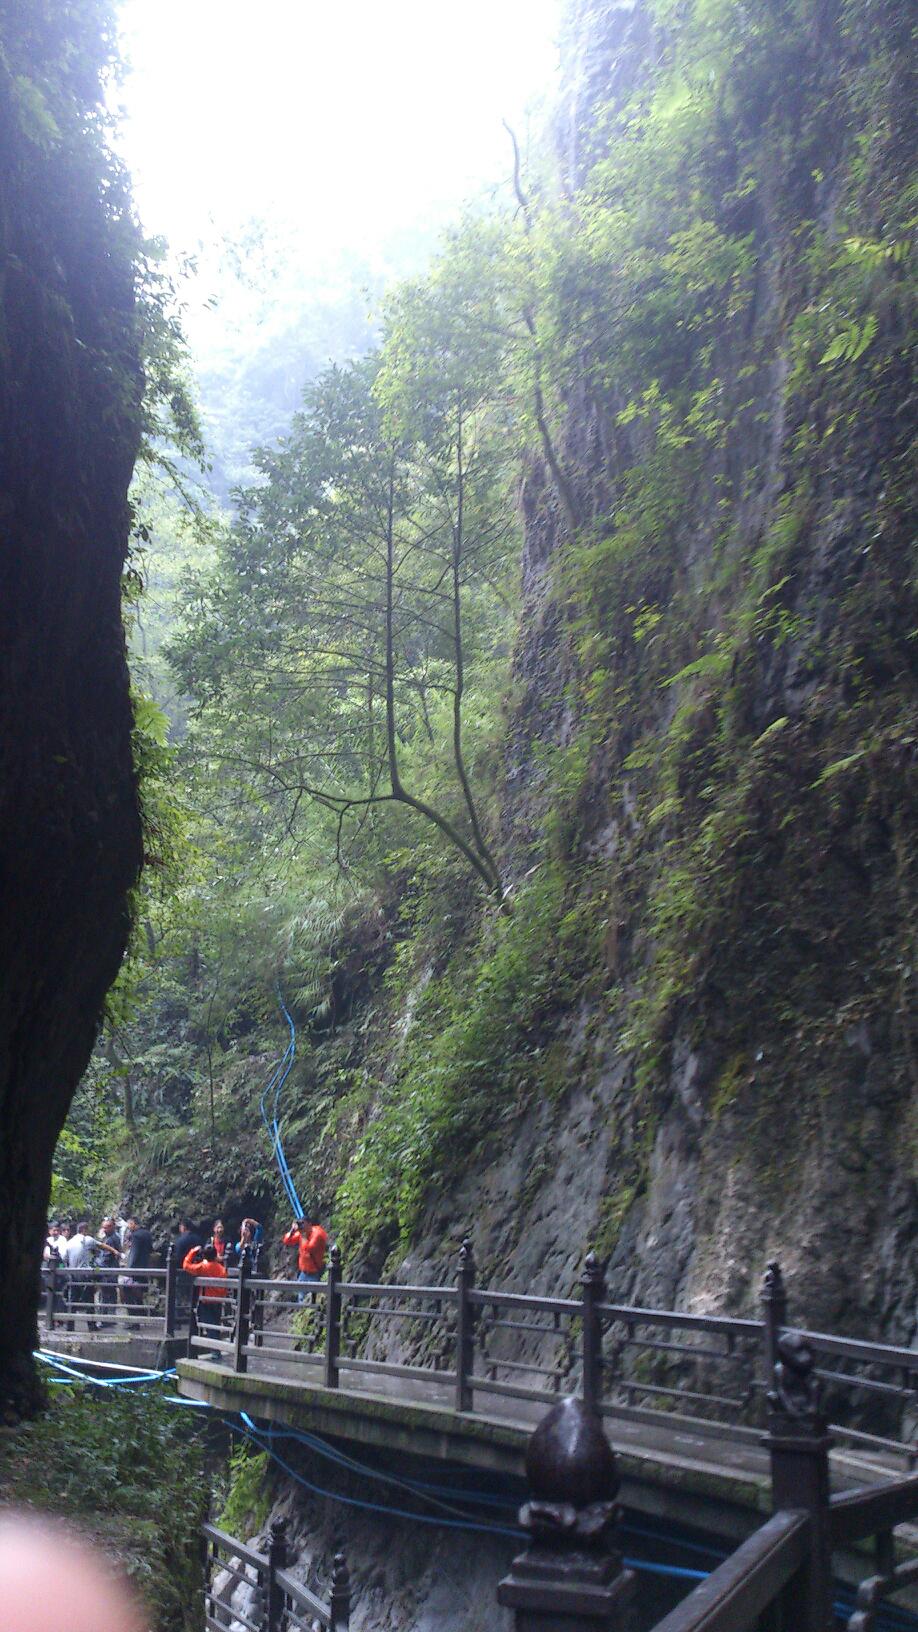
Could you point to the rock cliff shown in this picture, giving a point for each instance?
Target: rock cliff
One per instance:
(721, 661)
(691, 1046)
(69, 431)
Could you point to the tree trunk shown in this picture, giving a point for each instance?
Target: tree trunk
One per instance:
(70, 842)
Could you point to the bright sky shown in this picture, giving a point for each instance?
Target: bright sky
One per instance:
(347, 122)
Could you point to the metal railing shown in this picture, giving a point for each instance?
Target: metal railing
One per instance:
(780, 1579)
(481, 1343)
(106, 1299)
(647, 1365)
(274, 1601)
(761, 1576)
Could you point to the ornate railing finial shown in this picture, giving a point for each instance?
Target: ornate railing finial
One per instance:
(569, 1461)
(335, 1256)
(571, 1571)
(467, 1253)
(773, 1288)
(594, 1271)
(797, 1391)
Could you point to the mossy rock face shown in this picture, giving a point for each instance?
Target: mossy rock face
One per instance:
(734, 657)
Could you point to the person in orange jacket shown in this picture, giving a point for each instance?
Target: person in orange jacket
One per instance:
(204, 1261)
(311, 1242)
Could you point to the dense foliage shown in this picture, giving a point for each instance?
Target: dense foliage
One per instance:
(103, 1458)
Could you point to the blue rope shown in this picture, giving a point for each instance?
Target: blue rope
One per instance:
(271, 1119)
(72, 1375)
(251, 1433)
(891, 1618)
(263, 1437)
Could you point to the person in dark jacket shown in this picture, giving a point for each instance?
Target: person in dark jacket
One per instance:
(251, 1237)
(108, 1257)
(187, 1238)
(140, 1250)
(138, 1247)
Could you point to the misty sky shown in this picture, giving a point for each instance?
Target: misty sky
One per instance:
(346, 123)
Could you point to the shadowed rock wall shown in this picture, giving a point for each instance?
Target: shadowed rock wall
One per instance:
(70, 842)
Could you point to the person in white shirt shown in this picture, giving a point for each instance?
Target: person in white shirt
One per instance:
(80, 1254)
(81, 1248)
(52, 1258)
(51, 1253)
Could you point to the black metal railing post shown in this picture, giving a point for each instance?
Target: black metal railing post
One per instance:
(192, 1317)
(340, 1601)
(204, 1559)
(256, 1318)
(773, 1298)
(169, 1306)
(277, 1560)
(571, 1574)
(593, 1292)
(465, 1326)
(798, 1444)
(333, 1318)
(241, 1331)
(50, 1295)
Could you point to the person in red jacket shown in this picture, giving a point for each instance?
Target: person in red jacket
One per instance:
(311, 1242)
(204, 1261)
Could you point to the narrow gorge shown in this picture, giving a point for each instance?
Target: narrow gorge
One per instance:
(529, 725)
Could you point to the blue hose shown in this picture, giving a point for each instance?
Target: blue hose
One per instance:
(263, 1437)
(890, 1619)
(72, 1375)
(271, 1118)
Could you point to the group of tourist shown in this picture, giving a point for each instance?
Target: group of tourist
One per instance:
(212, 1260)
(208, 1256)
(126, 1250)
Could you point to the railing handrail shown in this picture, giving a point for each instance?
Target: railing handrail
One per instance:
(267, 1283)
(104, 1271)
(635, 1315)
(379, 1289)
(746, 1583)
(856, 1348)
(898, 1355)
(869, 1511)
(525, 1300)
(232, 1544)
(304, 1596)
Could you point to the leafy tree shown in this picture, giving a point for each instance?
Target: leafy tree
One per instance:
(333, 643)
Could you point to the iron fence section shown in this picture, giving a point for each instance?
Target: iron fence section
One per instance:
(482, 1342)
(277, 1601)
